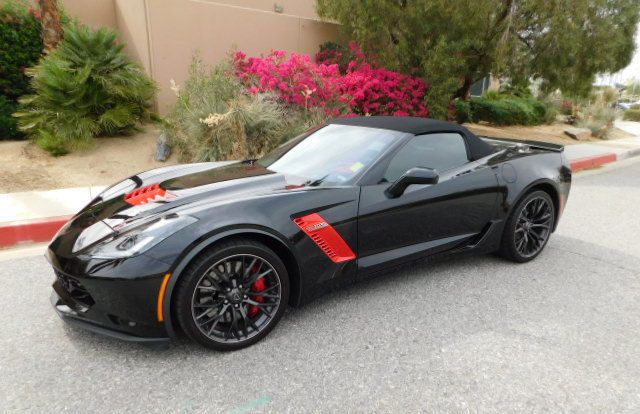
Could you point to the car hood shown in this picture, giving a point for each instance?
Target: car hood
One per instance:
(168, 189)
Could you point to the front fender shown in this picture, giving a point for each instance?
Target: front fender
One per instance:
(184, 260)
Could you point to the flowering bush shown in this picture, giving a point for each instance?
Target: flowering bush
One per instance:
(333, 53)
(296, 79)
(20, 47)
(364, 89)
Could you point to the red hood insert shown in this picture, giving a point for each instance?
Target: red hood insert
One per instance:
(146, 194)
(326, 237)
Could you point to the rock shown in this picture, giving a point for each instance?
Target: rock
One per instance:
(163, 150)
(580, 134)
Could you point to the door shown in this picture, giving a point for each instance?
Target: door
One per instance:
(425, 219)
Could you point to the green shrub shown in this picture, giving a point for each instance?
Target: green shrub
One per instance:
(8, 128)
(520, 88)
(20, 47)
(85, 88)
(215, 118)
(503, 109)
(463, 111)
(609, 94)
(631, 115)
(598, 118)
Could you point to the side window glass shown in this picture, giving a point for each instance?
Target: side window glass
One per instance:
(440, 151)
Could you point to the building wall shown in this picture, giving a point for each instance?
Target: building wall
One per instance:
(95, 13)
(131, 18)
(163, 35)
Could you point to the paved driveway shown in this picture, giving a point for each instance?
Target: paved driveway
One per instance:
(560, 334)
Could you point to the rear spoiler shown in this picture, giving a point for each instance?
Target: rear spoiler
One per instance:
(533, 144)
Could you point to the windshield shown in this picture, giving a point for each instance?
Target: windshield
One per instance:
(332, 155)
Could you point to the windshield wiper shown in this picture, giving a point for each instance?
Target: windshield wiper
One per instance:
(315, 183)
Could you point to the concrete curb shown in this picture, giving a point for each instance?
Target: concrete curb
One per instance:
(593, 161)
(30, 231)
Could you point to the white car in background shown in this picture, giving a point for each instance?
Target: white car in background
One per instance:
(628, 105)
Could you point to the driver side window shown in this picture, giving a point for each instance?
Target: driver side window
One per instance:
(440, 151)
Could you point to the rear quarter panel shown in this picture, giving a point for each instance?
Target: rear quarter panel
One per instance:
(519, 171)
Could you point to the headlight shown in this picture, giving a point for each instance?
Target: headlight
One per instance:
(140, 239)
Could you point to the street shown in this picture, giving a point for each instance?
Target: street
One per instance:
(477, 334)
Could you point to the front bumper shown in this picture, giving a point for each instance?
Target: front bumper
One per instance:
(70, 316)
(114, 298)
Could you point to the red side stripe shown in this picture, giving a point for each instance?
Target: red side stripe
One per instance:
(326, 237)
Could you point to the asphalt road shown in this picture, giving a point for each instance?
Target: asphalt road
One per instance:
(560, 334)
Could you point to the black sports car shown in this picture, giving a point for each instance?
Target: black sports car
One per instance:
(219, 250)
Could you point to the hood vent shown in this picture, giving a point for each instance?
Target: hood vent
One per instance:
(146, 194)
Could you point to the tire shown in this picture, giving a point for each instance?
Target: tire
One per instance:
(528, 229)
(232, 295)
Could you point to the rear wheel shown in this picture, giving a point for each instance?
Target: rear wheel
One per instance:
(529, 227)
(232, 295)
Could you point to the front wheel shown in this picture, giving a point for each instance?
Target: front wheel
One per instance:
(528, 228)
(232, 295)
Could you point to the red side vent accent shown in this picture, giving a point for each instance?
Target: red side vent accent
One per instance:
(145, 194)
(326, 237)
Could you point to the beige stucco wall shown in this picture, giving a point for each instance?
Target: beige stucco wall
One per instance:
(302, 8)
(163, 35)
(95, 13)
(179, 28)
(131, 18)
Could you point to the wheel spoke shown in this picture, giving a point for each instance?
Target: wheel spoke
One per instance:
(257, 276)
(210, 305)
(248, 269)
(269, 289)
(541, 226)
(247, 319)
(262, 295)
(216, 317)
(543, 219)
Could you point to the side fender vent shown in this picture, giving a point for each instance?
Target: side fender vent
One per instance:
(326, 237)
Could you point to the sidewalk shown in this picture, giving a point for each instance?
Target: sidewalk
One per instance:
(36, 216)
(584, 156)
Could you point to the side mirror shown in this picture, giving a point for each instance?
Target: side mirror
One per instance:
(417, 175)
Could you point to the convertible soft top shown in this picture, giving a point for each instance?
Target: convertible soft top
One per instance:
(417, 126)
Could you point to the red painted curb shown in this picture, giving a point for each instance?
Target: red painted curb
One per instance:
(592, 162)
(30, 231)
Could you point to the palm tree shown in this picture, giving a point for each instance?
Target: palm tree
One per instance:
(51, 27)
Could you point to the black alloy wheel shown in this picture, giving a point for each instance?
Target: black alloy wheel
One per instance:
(233, 295)
(529, 227)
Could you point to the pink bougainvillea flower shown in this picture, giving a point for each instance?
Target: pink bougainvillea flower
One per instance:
(364, 89)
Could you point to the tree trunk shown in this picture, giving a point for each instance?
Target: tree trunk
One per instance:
(465, 90)
(51, 27)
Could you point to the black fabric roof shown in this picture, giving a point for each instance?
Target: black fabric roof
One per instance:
(415, 125)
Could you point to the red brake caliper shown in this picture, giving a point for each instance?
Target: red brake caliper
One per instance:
(258, 286)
